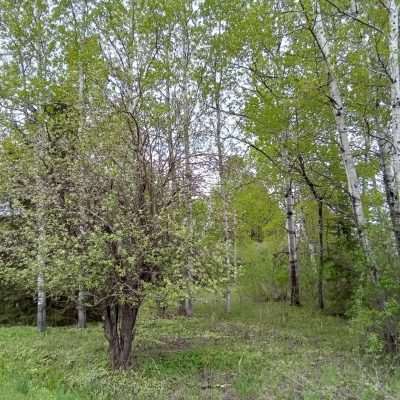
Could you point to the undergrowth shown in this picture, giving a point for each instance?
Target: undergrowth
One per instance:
(259, 351)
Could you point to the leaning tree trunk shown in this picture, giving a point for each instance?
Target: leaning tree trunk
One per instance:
(119, 329)
(338, 109)
(292, 247)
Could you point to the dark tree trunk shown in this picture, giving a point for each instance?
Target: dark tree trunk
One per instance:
(320, 200)
(294, 287)
(119, 328)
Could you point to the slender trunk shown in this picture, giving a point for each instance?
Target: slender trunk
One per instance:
(321, 255)
(226, 224)
(338, 109)
(81, 308)
(390, 150)
(119, 329)
(394, 69)
(41, 258)
(41, 303)
(292, 247)
(392, 197)
(319, 199)
(161, 300)
(188, 303)
(235, 249)
(354, 7)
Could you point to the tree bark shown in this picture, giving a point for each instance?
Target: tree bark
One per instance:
(292, 247)
(320, 201)
(187, 303)
(392, 197)
(391, 150)
(41, 320)
(226, 227)
(119, 329)
(81, 308)
(41, 304)
(394, 70)
(338, 109)
(82, 318)
(321, 301)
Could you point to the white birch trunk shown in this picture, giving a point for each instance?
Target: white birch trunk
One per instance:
(41, 320)
(343, 132)
(395, 85)
(226, 227)
(392, 150)
(188, 181)
(292, 246)
(81, 308)
(188, 304)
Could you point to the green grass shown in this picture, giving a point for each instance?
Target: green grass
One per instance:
(263, 351)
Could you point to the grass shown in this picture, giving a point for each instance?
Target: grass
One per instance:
(263, 351)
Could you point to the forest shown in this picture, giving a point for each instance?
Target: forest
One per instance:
(199, 199)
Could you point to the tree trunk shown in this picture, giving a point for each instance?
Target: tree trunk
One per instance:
(41, 304)
(187, 303)
(392, 150)
(392, 197)
(228, 294)
(228, 299)
(119, 329)
(321, 255)
(292, 247)
(394, 69)
(319, 199)
(348, 161)
(81, 309)
(41, 320)
(226, 224)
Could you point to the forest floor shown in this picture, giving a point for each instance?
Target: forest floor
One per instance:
(263, 351)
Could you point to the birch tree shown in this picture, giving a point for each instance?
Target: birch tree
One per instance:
(339, 111)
